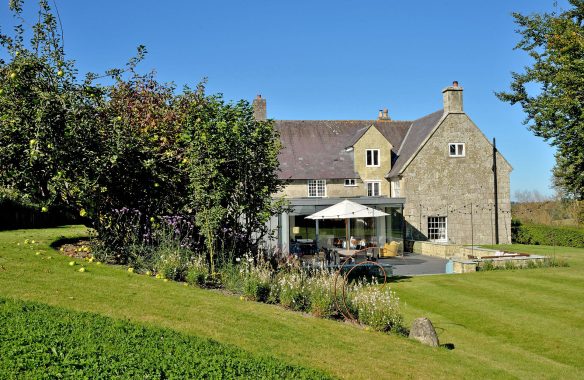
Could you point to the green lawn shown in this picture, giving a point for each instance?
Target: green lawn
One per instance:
(33, 346)
(509, 324)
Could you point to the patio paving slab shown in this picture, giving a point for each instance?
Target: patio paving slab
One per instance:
(414, 265)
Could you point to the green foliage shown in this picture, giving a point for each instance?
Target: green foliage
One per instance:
(376, 306)
(33, 345)
(293, 290)
(555, 42)
(197, 272)
(547, 235)
(547, 262)
(487, 265)
(233, 164)
(127, 154)
(323, 298)
(257, 282)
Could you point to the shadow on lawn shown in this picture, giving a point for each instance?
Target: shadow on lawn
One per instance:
(396, 279)
(64, 240)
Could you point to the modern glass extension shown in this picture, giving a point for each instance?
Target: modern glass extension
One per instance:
(295, 234)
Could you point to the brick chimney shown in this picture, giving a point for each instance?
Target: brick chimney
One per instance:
(259, 108)
(452, 98)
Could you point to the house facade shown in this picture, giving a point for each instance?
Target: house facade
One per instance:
(433, 176)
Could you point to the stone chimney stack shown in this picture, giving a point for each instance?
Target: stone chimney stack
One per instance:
(383, 114)
(259, 108)
(452, 98)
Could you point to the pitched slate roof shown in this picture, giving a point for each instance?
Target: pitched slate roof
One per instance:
(417, 134)
(317, 149)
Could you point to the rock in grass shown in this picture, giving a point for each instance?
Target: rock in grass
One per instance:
(424, 332)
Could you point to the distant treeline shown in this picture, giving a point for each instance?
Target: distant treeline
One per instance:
(550, 213)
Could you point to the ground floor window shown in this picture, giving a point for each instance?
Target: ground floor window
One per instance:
(437, 228)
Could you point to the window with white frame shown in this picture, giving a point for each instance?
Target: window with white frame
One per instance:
(317, 188)
(437, 228)
(372, 157)
(373, 188)
(350, 182)
(395, 188)
(456, 150)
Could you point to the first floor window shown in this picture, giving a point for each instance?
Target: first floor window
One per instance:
(317, 188)
(372, 158)
(456, 150)
(437, 228)
(373, 189)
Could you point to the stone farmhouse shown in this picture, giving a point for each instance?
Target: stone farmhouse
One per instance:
(434, 176)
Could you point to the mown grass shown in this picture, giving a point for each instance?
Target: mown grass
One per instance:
(39, 341)
(503, 324)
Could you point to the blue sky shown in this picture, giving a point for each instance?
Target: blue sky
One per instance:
(326, 59)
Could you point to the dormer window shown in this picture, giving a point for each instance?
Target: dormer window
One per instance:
(372, 158)
(456, 150)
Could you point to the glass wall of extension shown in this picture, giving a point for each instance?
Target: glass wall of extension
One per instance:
(297, 235)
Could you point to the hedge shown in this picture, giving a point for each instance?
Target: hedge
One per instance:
(39, 341)
(548, 235)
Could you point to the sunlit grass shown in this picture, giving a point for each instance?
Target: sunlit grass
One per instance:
(514, 323)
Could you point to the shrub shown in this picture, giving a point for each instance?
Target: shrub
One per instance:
(257, 282)
(232, 278)
(509, 264)
(377, 306)
(321, 292)
(197, 271)
(487, 265)
(173, 263)
(293, 289)
(554, 261)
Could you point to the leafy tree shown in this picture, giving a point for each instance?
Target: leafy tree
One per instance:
(555, 42)
(36, 91)
(233, 165)
(134, 154)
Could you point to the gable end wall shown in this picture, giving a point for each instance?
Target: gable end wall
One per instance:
(435, 184)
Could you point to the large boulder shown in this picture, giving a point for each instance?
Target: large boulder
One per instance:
(423, 331)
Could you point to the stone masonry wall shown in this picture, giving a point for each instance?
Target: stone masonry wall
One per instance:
(334, 188)
(435, 184)
(372, 139)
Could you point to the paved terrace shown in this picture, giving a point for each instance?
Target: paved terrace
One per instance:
(412, 264)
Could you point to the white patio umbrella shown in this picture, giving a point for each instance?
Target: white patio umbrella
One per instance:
(346, 210)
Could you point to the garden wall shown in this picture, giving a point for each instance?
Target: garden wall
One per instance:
(445, 251)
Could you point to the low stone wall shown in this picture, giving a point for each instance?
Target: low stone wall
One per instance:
(513, 262)
(465, 266)
(445, 251)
